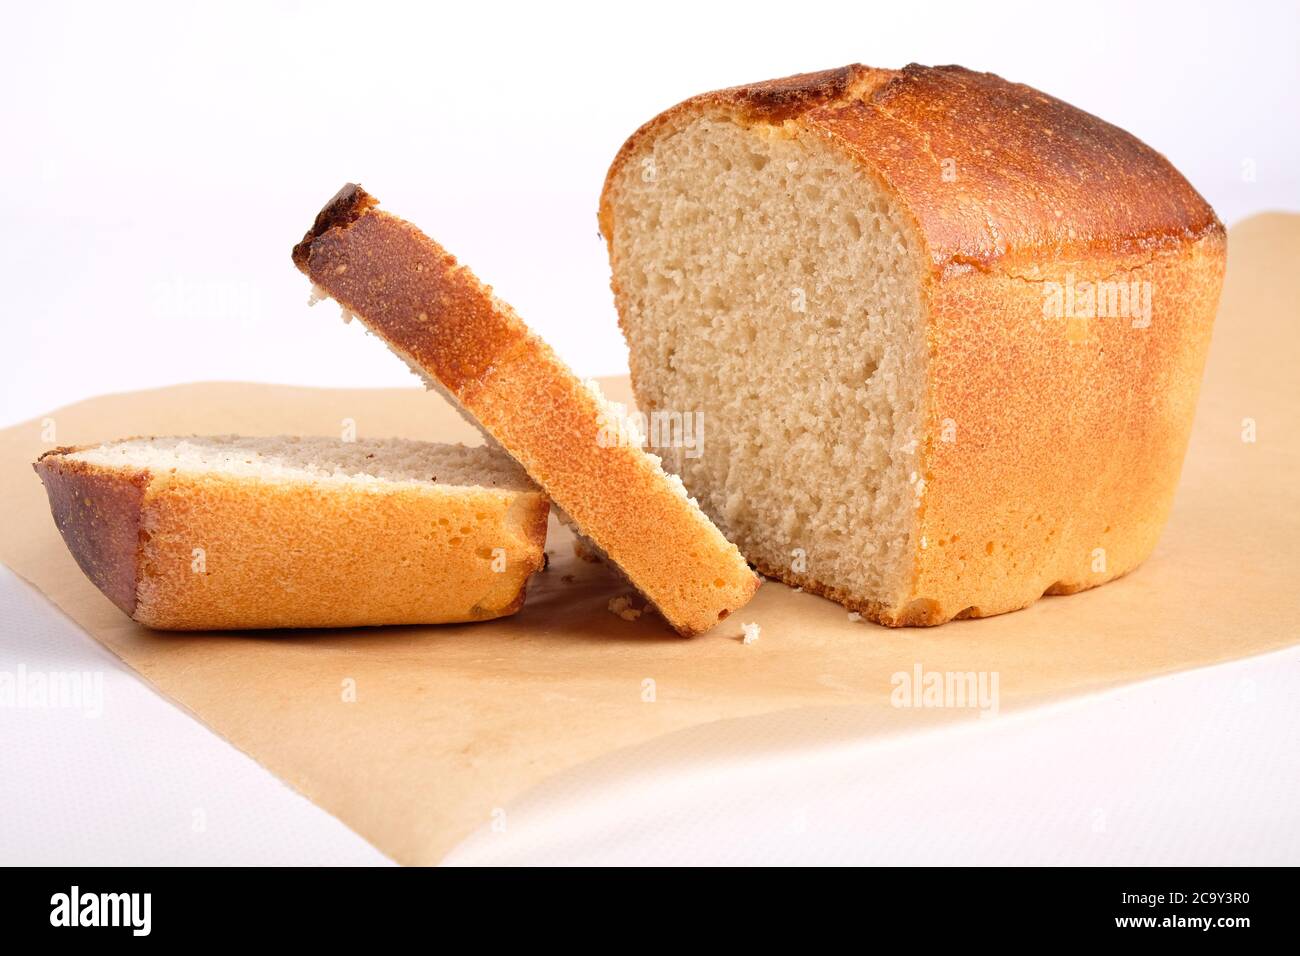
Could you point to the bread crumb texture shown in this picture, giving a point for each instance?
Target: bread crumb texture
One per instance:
(624, 608)
(363, 462)
(764, 283)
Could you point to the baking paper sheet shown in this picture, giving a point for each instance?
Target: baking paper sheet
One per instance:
(414, 736)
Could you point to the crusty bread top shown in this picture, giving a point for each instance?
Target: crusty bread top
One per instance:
(996, 174)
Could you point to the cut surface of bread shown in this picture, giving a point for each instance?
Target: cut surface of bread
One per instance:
(473, 349)
(800, 337)
(228, 532)
(873, 284)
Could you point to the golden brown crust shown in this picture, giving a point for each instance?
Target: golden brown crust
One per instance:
(346, 206)
(1069, 448)
(1027, 174)
(920, 612)
(401, 282)
(775, 101)
(1069, 435)
(206, 551)
(433, 312)
(992, 171)
(98, 516)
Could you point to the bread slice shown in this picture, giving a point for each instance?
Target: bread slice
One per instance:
(947, 331)
(228, 532)
(468, 345)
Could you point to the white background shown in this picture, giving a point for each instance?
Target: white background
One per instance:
(158, 163)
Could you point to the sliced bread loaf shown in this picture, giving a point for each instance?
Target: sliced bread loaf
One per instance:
(947, 331)
(227, 532)
(472, 348)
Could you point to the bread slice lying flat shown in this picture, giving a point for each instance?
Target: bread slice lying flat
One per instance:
(464, 342)
(947, 331)
(227, 532)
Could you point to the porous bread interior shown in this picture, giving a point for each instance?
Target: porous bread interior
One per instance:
(766, 282)
(367, 461)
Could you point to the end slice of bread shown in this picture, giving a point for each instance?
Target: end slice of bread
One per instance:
(472, 347)
(231, 533)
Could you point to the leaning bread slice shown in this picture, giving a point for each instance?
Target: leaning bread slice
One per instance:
(228, 532)
(473, 348)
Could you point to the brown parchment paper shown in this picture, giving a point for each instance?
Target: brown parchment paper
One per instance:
(452, 722)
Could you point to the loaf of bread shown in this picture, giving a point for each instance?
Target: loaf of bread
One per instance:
(227, 532)
(946, 331)
(473, 349)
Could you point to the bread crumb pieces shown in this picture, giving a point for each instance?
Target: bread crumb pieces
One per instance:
(583, 551)
(854, 617)
(750, 633)
(623, 608)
